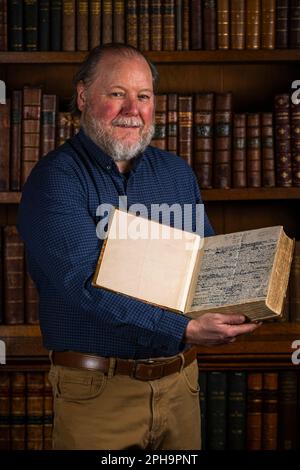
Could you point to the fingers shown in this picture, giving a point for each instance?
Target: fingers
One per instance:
(237, 330)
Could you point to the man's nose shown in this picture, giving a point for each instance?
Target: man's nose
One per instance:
(130, 106)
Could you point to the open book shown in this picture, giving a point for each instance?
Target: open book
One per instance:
(243, 272)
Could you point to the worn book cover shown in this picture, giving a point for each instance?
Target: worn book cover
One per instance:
(244, 272)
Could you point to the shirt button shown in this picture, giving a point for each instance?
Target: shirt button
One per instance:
(108, 167)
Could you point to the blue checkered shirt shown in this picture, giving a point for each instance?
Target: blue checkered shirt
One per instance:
(57, 220)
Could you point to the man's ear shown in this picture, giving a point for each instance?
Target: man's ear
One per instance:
(81, 95)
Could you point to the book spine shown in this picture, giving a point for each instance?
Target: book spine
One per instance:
(237, 388)
(56, 25)
(295, 285)
(253, 150)
(65, 130)
(294, 25)
(283, 140)
(238, 24)
(49, 113)
(203, 138)
(4, 410)
(4, 145)
(222, 140)
(209, 25)
(18, 411)
(268, 151)
(159, 138)
(31, 25)
(168, 17)
(223, 24)
(82, 25)
(3, 25)
(48, 413)
(31, 301)
(196, 24)
(144, 26)
(254, 410)
(270, 410)
(186, 25)
(268, 24)
(179, 24)
(16, 139)
(253, 29)
(172, 122)
(69, 21)
(156, 25)
(239, 153)
(44, 25)
(132, 22)
(203, 407)
(35, 410)
(94, 23)
(15, 15)
(216, 410)
(185, 125)
(282, 21)
(295, 143)
(287, 412)
(119, 21)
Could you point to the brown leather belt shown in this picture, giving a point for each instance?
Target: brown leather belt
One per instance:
(151, 369)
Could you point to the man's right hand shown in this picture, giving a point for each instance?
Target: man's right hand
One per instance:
(212, 329)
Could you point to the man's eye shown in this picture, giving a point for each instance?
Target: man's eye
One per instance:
(144, 97)
(117, 94)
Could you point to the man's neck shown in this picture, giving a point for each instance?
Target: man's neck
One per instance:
(124, 166)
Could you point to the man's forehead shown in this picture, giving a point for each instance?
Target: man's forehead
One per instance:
(112, 63)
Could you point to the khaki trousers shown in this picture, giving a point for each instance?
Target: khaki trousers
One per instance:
(116, 412)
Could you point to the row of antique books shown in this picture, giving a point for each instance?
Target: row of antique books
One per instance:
(253, 410)
(226, 149)
(158, 25)
(26, 405)
(19, 296)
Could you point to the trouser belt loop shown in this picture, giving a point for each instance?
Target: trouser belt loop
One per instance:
(112, 367)
(182, 361)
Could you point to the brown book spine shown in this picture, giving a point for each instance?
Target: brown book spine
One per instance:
(172, 122)
(283, 140)
(65, 130)
(270, 411)
(186, 25)
(119, 21)
(295, 285)
(294, 25)
(156, 25)
(159, 138)
(223, 24)
(3, 25)
(144, 25)
(16, 139)
(268, 24)
(31, 301)
(107, 21)
(168, 17)
(75, 124)
(238, 24)
(268, 151)
(69, 20)
(4, 410)
(254, 411)
(253, 29)
(185, 127)
(35, 410)
(203, 138)
(253, 150)
(31, 124)
(49, 113)
(196, 24)
(131, 17)
(239, 153)
(18, 410)
(295, 143)
(4, 145)
(82, 20)
(48, 413)
(179, 24)
(287, 412)
(222, 140)
(209, 25)
(282, 15)
(13, 276)
(30, 20)
(94, 23)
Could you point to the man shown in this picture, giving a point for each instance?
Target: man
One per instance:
(124, 373)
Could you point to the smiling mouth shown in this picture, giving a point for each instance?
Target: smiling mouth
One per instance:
(128, 126)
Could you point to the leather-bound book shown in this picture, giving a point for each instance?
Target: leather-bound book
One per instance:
(283, 140)
(69, 22)
(159, 138)
(172, 122)
(31, 126)
(31, 301)
(168, 18)
(253, 24)
(239, 151)
(75, 125)
(156, 25)
(144, 26)
(203, 407)
(254, 159)
(3, 25)
(48, 413)
(31, 25)
(94, 23)
(13, 264)
(254, 410)
(82, 25)
(1, 280)
(282, 23)
(56, 25)
(119, 21)
(49, 114)
(270, 411)
(268, 150)
(287, 409)
(15, 29)
(295, 285)
(295, 143)
(209, 25)
(4, 410)
(186, 25)
(294, 25)
(236, 410)
(132, 21)
(179, 24)
(268, 24)
(185, 127)
(238, 24)
(107, 21)
(44, 25)
(18, 411)
(65, 127)
(4, 145)
(196, 24)
(16, 139)
(203, 138)
(216, 410)
(223, 24)
(35, 410)
(222, 140)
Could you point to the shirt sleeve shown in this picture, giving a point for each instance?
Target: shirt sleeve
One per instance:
(206, 228)
(60, 234)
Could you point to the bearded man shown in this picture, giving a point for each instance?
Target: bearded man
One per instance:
(124, 373)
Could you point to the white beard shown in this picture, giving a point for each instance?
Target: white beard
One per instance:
(116, 149)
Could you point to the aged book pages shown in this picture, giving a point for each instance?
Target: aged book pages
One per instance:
(244, 272)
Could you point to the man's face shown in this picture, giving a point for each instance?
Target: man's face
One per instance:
(118, 107)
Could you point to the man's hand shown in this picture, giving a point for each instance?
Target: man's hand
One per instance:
(212, 329)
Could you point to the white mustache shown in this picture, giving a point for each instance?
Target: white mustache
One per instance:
(127, 122)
